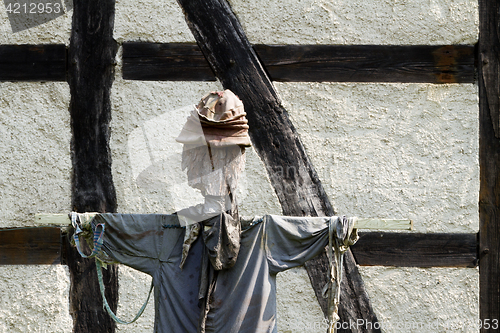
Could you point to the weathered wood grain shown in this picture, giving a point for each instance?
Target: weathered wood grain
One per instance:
(233, 60)
(369, 63)
(92, 53)
(313, 63)
(30, 246)
(172, 62)
(290, 63)
(416, 249)
(33, 62)
(489, 162)
(488, 55)
(49, 245)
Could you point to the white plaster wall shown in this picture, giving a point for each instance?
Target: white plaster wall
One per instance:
(399, 151)
(35, 169)
(397, 22)
(393, 150)
(57, 31)
(35, 159)
(151, 21)
(34, 299)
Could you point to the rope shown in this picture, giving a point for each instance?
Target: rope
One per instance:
(98, 241)
(335, 271)
(98, 237)
(340, 236)
(105, 302)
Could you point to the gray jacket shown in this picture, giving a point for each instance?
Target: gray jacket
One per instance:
(244, 296)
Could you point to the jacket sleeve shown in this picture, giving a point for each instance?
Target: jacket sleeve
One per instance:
(291, 241)
(139, 241)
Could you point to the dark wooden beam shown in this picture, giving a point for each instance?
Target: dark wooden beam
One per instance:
(33, 62)
(49, 245)
(488, 60)
(489, 161)
(165, 62)
(92, 53)
(416, 249)
(310, 63)
(369, 63)
(233, 60)
(30, 246)
(289, 63)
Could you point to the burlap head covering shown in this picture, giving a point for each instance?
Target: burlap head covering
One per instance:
(218, 120)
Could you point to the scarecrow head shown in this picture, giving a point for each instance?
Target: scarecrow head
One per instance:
(214, 137)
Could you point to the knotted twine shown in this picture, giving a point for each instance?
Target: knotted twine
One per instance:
(341, 235)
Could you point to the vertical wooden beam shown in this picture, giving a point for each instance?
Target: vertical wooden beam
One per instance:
(92, 53)
(223, 42)
(489, 160)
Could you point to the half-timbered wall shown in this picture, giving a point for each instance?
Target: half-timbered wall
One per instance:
(383, 150)
(35, 176)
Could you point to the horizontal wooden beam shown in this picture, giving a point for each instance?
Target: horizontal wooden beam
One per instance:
(165, 62)
(310, 63)
(44, 245)
(289, 63)
(416, 249)
(33, 62)
(30, 246)
(370, 63)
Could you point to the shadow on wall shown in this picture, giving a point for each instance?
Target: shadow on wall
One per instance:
(155, 158)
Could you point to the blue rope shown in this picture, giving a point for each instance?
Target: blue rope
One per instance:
(106, 305)
(98, 237)
(98, 241)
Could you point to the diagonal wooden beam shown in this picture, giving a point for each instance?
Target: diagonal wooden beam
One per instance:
(310, 63)
(92, 53)
(225, 46)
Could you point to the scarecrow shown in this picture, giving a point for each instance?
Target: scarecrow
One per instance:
(212, 270)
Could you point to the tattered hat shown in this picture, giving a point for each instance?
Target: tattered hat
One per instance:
(218, 120)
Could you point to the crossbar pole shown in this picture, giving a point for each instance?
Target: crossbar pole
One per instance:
(361, 223)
